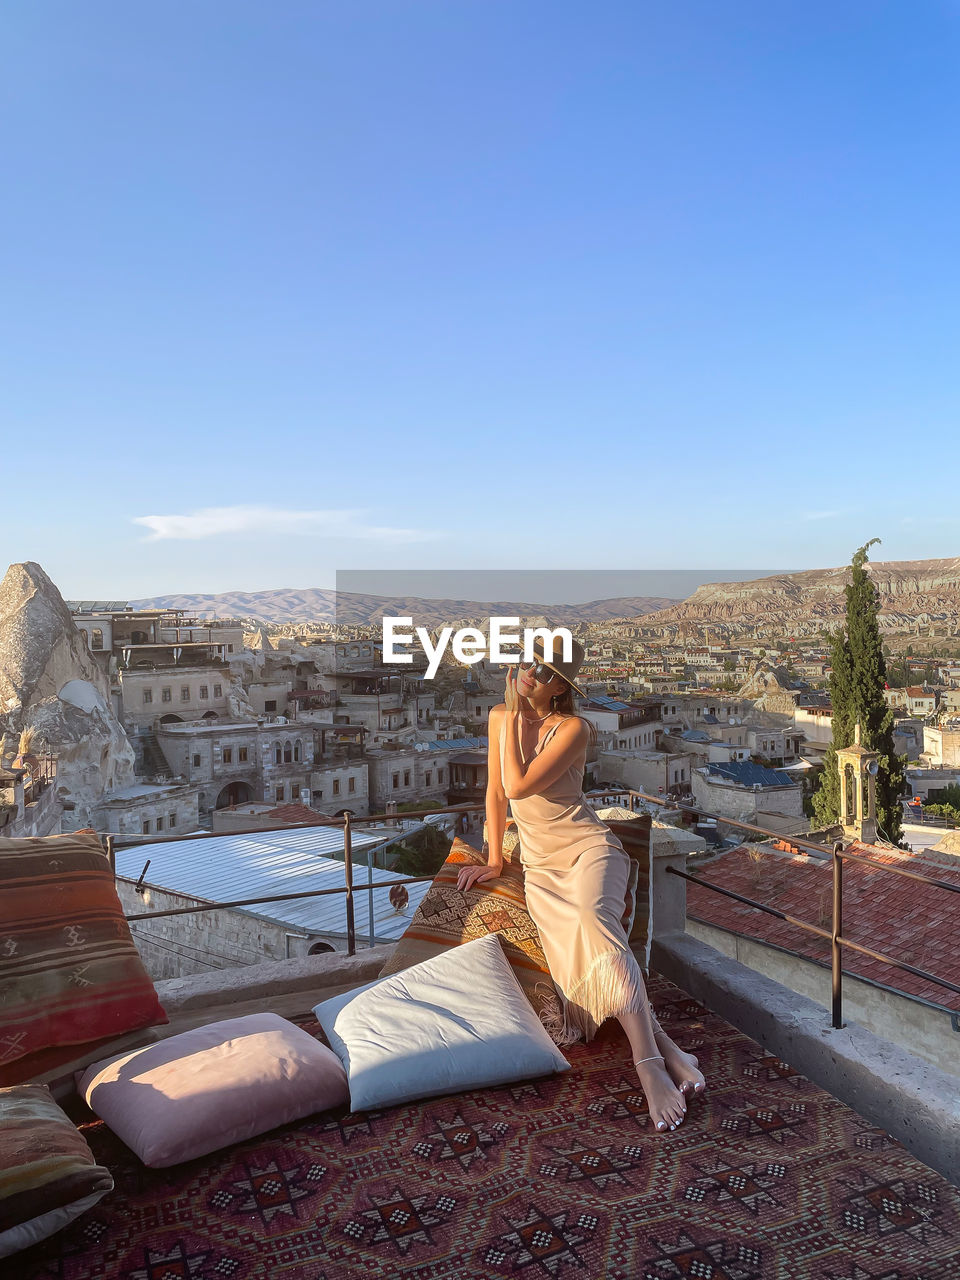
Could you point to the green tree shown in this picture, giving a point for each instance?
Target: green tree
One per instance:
(856, 696)
(422, 853)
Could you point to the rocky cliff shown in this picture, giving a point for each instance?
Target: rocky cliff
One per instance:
(49, 682)
(911, 593)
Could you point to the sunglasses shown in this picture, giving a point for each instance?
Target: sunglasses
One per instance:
(539, 670)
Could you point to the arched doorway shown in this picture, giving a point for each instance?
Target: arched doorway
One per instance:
(234, 793)
(170, 718)
(210, 715)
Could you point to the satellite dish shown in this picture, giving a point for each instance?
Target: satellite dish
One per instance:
(873, 768)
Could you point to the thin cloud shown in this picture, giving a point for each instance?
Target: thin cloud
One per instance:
(215, 522)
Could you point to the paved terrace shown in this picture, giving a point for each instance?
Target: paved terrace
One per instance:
(811, 1157)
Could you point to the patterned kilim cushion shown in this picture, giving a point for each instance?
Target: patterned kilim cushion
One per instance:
(48, 1175)
(446, 918)
(69, 970)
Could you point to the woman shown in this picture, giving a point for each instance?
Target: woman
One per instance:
(575, 874)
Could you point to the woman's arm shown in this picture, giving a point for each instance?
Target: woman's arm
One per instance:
(496, 807)
(521, 780)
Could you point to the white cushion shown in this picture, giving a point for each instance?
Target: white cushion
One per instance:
(457, 1021)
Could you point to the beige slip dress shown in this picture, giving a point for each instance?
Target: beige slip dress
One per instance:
(575, 880)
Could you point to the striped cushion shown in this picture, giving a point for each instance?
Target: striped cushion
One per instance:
(69, 970)
(48, 1175)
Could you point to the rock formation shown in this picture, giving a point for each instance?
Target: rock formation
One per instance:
(911, 593)
(49, 682)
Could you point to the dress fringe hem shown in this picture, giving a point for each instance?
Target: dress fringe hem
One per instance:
(612, 985)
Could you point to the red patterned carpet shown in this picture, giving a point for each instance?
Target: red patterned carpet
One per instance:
(769, 1178)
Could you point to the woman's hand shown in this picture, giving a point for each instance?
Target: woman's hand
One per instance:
(476, 873)
(510, 696)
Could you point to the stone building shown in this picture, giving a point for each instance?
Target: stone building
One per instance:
(750, 793)
(233, 762)
(149, 809)
(655, 773)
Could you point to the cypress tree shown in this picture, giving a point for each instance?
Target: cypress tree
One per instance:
(857, 681)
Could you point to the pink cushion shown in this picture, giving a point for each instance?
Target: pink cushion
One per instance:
(207, 1088)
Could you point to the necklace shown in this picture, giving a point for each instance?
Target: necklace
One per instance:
(536, 719)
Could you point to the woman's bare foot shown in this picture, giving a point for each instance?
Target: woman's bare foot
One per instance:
(682, 1067)
(665, 1102)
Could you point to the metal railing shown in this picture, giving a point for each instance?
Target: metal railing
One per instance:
(348, 822)
(834, 935)
(836, 853)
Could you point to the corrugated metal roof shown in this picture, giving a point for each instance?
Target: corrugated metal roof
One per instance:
(229, 867)
(449, 744)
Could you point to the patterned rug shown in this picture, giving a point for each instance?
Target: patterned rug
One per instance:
(768, 1178)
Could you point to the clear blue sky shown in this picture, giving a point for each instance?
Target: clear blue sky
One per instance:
(545, 285)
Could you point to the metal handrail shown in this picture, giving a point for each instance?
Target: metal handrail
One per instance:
(347, 822)
(837, 940)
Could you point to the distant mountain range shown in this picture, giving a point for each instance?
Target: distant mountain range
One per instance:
(911, 593)
(317, 604)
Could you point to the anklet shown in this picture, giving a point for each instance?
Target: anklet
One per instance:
(650, 1059)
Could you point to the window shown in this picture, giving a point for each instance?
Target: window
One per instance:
(196, 762)
(96, 638)
(280, 792)
(148, 695)
(278, 754)
(159, 824)
(297, 750)
(229, 648)
(242, 755)
(396, 781)
(270, 705)
(218, 690)
(478, 711)
(228, 755)
(406, 777)
(428, 778)
(146, 826)
(204, 692)
(351, 784)
(287, 753)
(172, 821)
(184, 693)
(166, 695)
(336, 786)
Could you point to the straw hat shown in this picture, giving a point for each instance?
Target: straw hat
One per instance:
(569, 669)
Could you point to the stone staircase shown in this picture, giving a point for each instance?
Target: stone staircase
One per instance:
(153, 763)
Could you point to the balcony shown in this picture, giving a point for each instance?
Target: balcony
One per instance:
(818, 1153)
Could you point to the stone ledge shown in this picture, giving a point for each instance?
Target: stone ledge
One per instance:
(307, 977)
(914, 1101)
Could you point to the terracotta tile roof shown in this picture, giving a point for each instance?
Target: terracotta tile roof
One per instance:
(915, 922)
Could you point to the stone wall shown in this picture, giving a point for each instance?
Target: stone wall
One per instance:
(177, 946)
